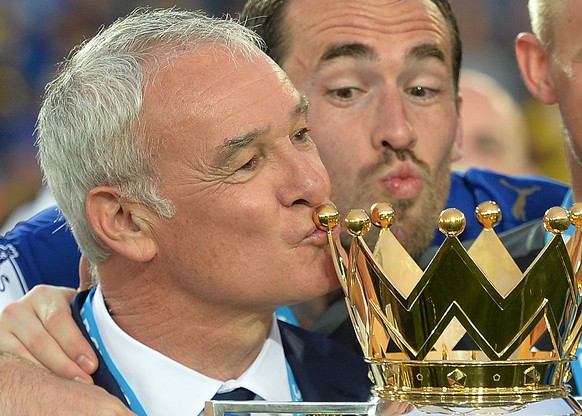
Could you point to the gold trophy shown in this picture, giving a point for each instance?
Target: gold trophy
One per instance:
(471, 334)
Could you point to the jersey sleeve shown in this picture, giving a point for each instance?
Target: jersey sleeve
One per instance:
(41, 250)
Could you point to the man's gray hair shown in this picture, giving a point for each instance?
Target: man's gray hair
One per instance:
(89, 130)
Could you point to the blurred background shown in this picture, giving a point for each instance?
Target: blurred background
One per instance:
(503, 124)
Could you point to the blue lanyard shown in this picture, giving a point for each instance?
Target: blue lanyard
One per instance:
(134, 404)
(91, 327)
(294, 388)
(285, 314)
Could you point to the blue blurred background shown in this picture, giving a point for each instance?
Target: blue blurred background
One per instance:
(36, 34)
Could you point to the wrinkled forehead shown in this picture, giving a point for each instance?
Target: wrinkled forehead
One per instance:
(313, 25)
(200, 77)
(211, 93)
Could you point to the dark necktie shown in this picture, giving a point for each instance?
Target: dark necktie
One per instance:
(238, 394)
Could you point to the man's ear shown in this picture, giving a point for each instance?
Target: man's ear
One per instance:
(534, 64)
(457, 151)
(121, 225)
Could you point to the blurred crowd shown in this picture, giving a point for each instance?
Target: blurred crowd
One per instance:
(36, 34)
(488, 30)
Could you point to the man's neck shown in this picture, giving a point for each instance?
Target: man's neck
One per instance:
(219, 342)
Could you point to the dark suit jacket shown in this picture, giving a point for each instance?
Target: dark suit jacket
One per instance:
(324, 370)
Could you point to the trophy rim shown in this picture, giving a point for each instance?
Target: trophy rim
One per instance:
(470, 383)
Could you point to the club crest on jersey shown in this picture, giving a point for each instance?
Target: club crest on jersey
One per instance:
(12, 283)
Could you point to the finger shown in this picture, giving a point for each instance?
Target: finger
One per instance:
(52, 306)
(23, 320)
(39, 345)
(59, 324)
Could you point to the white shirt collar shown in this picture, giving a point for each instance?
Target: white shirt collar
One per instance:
(166, 387)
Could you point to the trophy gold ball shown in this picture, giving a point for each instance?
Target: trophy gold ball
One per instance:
(557, 220)
(357, 222)
(382, 214)
(326, 217)
(488, 214)
(576, 215)
(452, 222)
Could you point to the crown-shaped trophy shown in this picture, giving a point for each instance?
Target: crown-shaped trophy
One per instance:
(471, 330)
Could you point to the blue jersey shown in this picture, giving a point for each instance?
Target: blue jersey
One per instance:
(521, 198)
(42, 250)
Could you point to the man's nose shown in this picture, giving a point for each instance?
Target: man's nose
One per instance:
(392, 128)
(306, 180)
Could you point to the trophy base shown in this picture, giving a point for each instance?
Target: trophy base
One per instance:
(552, 407)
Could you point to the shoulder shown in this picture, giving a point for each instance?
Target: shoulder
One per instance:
(47, 224)
(490, 182)
(524, 242)
(40, 250)
(521, 198)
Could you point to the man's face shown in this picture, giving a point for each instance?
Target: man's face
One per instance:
(566, 74)
(383, 112)
(238, 163)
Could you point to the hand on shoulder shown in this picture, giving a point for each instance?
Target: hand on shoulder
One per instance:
(40, 328)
